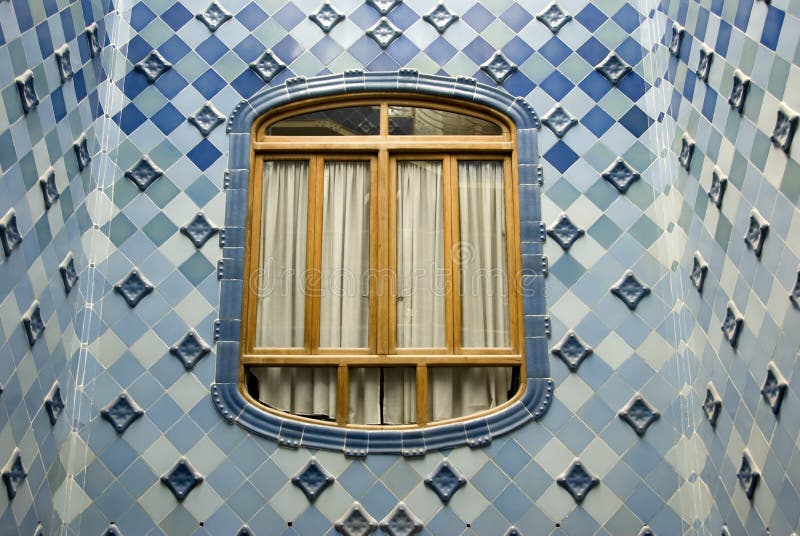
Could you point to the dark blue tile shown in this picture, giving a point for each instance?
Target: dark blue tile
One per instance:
(596, 85)
(204, 154)
(249, 49)
(326, 49)
(518, 84)
(133, 84)
(23, 13)
(129, 118)
(174, 49)
(211, 49)
(403, 50)
(171, 83)
(383, 62)
(440, 51)
(709, 103)
(478, 17)
(288, 49)
(59, 106)
(631, 51)
(716, 6)
(516, 17)
(67, 25)
(251, 17)
(689, 85)
(627, 18)
(555, 51)
(79, 83)
(772, 27)
(561, 156)
(557, 85)
(743, 11)
(636, 121)
(478, 50)
(365, 49)
(701, 24)
(633, 86)
(210, 83)
(517, 51)
(177, 16)
(597, 121)
(168, 118)
(50, 7)
(141, 16)
(365, 16)
(593, 51)
(45, 40)
(591, 17)
(723, 38)
(403, 16)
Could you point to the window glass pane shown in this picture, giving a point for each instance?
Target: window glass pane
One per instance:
(420, 253)
(344, 281)
(484, 283)
(411, 120)
(280, 311)
(459, 391)
(353, 121)
(305, 391)
(382, 395)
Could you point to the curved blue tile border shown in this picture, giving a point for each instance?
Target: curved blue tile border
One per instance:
(290, 433)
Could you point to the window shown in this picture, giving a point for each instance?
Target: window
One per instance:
(381, 283)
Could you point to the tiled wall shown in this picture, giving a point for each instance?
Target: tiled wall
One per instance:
(761, 40)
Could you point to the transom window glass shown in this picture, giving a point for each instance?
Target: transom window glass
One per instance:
(382, 269)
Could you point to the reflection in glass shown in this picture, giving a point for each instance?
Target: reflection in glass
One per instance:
(382, 396)
(305, 391)
(460, 391)
(352, 121)
(408, 120)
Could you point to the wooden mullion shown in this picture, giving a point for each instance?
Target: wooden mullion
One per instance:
(342, 393)
(391, 265)
(384, 284)
(314, 255)
(455, 255)
(422, 395)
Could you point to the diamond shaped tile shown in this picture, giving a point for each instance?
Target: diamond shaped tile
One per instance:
(93, 40)
(704, 63)
(69, 275)
(401, 522)
(206, 119)
(33, 322)
(620, 175)
(639, 414)
(27, 91)
(312, 480)
(267, 66)
(53, 403)
(63, 63)
(122, 412)
(675, 40)
(741, 84)
(153, 66)
(214, 16)
(190, 349)
(712, 404)
(199, 230)
(719, 182)
(794, 296)
(9, 232)
(559, 121)
(499, 67)
(14, 473)
(47, 183)
(630, 290)
(687, 150)
(756, 232)
(440, 17)
(732, 325)
(384, 32)
(613, 68)
(445, 481)
(577, 481)
(554, 17)
(748, 474)
(384, 6)
(565, 232)
(699, 271)
(774, 388)
(81, 148)
(356, 522)
(144, 173)
(572, 351)
(133, 288)
(326, 17)
(182, 479)
(785, 127)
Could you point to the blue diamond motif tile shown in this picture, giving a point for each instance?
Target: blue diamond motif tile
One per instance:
(712, 404)
(214, 16)
(384, 32)
(440, 17)
(756, 232)
(81, 148)
(572, 351)
(182, 479)
(384, 6)
(498, 67)
(565, 232)
(445, 481)
(704, 63)
(630, 290)
(356, 522)
(267, 66)
(9, 232)
(206, 119)
(741, 84)
(93, 40)
(326, 17)
(675, 40)
(639, 414)
(133, 288)
(785, 127)
(794, 296)
(699, 271)
(719, 182)
(774, 388)
(190, 349)
(153, 66)
(199, 230)
(400, 522)
(33, 322)
(748, 474)
(577, 481)
(121, 413)
(312, 480)
(559, 121)
(69, 275)
(687, 150)
(613, 68)
(53, 403)
(27, 91)
(47, 183)
(63, 63)
(732, 325)
(144, 173)
(620, 175)
(554, 17)
(14, 473)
